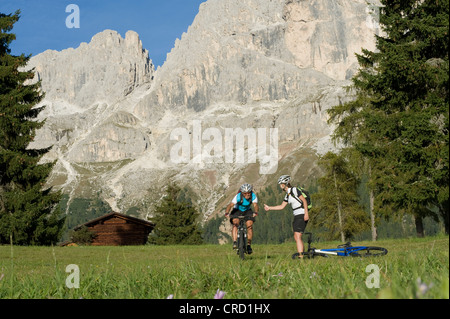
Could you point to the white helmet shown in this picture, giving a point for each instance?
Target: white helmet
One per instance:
(246, 188)
(284, 179)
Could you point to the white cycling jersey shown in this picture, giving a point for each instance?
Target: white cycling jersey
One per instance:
(297, 208)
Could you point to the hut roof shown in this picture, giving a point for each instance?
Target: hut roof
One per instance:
(118, 215)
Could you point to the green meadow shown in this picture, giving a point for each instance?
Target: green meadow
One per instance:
(413, 268)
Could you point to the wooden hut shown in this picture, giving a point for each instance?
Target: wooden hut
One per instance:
(116, 229)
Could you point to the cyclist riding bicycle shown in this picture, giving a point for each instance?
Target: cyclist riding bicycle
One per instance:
(241, 206)
(299, 208)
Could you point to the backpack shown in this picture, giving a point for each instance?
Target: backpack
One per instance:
(305, 194)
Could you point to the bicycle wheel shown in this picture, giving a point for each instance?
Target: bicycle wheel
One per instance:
(370, 252)
(241, 244)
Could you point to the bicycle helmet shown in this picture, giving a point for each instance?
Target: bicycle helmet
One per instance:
(246, 188)
(284, 179)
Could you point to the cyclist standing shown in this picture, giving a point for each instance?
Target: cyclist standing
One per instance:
(299, 208)
(241, 206)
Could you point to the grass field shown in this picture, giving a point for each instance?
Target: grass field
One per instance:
(413, 268)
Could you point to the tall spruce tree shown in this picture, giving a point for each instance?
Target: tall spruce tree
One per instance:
(175, 221)
(29, 212)
(336, 205)
(399, 118)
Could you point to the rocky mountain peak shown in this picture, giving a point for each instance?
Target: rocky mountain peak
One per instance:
(242, 65)
(259, 50)
(106, 69)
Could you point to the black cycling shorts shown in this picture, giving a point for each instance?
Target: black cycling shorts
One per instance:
(299, 223)
(236, 212)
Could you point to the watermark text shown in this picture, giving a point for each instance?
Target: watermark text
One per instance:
(228, 145)
(373, 280)
(73, 19)
(73, 279)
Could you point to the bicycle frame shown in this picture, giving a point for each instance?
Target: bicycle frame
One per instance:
(344, 250)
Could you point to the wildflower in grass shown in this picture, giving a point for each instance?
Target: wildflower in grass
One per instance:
(278, 275)
(422, 288)
(313, 275)
(219, 294)
(169, 297)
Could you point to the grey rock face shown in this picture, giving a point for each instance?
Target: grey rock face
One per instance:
(259, 50)
(83, 86)
(106, 69)
(242, 64)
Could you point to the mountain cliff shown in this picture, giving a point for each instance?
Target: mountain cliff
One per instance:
(243, 66)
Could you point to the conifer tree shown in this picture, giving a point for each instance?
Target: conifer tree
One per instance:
(29, 212)
(175, 221)
(336, 204)
(399, 118)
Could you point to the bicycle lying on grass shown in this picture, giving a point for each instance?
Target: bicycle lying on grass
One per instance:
(342, 250)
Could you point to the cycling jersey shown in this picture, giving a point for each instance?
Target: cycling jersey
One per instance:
(245, 203)
(297, 208)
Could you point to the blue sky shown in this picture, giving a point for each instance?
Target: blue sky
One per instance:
(42, 24)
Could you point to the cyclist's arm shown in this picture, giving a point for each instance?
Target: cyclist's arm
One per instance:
(229, 208)
(256, 206)
(305, 206)
(231, 205)
(278, 207)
